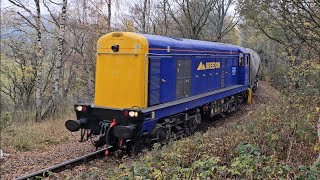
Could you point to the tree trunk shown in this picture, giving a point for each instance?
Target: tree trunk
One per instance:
(90, 89)
(39, 52)
(109, 15)
(58, 62)
(165, 16)
(144, 13)
(84, 11)
(317, 162)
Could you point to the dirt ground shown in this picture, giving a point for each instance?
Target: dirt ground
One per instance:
(21, 163)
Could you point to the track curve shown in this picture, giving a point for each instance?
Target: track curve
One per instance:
(64, 165)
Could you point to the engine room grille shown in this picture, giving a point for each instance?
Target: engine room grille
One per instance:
(183, 86)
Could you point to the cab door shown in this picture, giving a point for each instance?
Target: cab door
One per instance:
(167, 83)
(244, 69)
(247, 69)
(161, 85)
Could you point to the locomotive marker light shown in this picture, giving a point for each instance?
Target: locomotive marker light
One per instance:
(125, 113)
(81, 108)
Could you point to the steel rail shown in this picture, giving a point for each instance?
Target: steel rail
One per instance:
(65, 165)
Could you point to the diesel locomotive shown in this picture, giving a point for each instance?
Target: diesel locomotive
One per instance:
(151, 88)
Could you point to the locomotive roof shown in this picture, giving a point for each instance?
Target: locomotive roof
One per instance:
(162, 42)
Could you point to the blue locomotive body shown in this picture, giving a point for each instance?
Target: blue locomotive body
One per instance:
(185, 74)
(150, 88)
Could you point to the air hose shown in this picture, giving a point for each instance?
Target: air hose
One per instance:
(107, 135)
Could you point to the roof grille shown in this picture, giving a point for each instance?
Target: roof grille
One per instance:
(116, 34)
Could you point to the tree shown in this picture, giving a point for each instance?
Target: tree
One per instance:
(140, 14)
(191, 16)
(59, 59)
(292, 23)
(220, 22)
(17, 73)
(37, 25)
(109, 14)
(103, 17)
(294, 27)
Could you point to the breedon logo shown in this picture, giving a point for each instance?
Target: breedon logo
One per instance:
(208, 65)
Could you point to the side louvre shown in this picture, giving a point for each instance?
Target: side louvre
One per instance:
(154, 81)
(183, 86)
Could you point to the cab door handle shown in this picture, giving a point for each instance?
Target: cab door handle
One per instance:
(163, 80)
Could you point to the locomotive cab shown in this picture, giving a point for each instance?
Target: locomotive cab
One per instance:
(120, 91)
(121, 71)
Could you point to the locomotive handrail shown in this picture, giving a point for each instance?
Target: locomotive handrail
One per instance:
(191, 98)
(116, 53)
(160, 55)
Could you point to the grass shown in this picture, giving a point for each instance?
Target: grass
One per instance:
(30, 135)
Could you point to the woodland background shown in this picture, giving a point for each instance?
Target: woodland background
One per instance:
(48, 47)
(48, 52)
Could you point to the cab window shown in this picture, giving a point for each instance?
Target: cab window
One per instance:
(241, 61)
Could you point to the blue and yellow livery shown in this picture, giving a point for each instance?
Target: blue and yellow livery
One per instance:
(149, 88)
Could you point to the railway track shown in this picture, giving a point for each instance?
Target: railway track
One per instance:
(65, 165)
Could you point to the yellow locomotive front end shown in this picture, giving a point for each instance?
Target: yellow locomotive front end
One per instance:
(121, 71)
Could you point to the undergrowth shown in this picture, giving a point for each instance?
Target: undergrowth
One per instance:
(276, 141)
(30, 135)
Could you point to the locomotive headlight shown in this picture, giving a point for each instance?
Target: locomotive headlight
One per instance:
(131, 113)
(79, 108)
